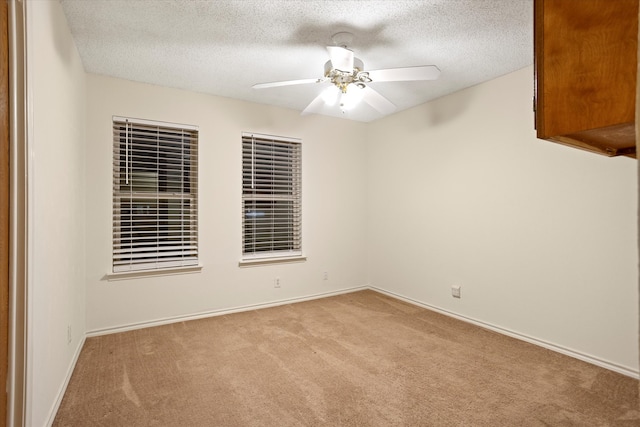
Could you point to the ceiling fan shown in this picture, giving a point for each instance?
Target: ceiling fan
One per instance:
(349, 81)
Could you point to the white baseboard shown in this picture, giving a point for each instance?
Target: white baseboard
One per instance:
(63, 388)
(633, 373)
(572, 353)
(221, 312)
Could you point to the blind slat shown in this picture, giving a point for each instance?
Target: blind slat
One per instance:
(271, 196)
(155, 221)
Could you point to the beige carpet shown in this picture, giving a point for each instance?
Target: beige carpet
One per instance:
(360, 359)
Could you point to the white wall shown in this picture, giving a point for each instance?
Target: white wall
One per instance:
(541, 237)
(334, 202)
(56, 214)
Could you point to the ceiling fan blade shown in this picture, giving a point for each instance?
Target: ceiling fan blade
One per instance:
(377, 101)
(424, 72)
(315, 106)
(341, 58)
(286, 83)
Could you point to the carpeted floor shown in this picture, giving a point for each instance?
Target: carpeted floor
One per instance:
(359, 359)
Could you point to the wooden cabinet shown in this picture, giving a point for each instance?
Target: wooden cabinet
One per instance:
(585, 73)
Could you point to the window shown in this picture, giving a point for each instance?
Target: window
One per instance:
(155, 203)
(271, 196)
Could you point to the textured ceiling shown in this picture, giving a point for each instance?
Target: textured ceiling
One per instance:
(225, 47)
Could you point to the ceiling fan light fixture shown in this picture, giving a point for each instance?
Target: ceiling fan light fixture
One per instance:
(349, 80)
(342, 79)
(330, 95)
(363, 76)
(350, 98)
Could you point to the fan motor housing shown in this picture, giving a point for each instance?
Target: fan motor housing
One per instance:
(342, 79)
(358, 65)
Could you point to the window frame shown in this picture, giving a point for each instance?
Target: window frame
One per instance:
(282, 188)
(154, 197)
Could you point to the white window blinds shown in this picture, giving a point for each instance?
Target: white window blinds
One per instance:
(155, 203)
(271, 196)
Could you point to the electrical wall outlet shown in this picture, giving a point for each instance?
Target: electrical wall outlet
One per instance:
(455, 291)
(276, 282)
(68, 334)
(325, 275)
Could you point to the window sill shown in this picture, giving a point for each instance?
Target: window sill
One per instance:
(123, 275)
(255, 262)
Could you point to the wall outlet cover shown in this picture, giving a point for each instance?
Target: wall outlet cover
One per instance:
(455, 291)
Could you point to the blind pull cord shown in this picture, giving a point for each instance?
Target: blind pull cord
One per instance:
(126, 154)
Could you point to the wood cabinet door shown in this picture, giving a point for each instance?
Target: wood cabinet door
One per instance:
(585, 65)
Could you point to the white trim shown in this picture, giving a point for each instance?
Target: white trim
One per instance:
(271, 137)
(254, 262)
(146, 122)
(625, 370)
(630, 372)
(170, 271)
(30, 190)
(65, 384)
(17, 362)
(221, 312)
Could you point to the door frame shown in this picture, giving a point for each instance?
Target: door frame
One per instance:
(4, 207)
(18, 225)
